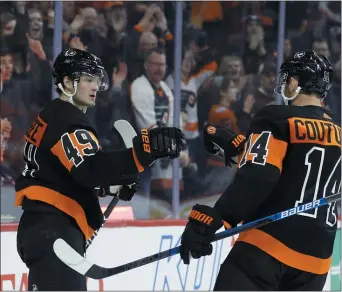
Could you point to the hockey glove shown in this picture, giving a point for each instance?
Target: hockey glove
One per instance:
(203, 223)
(217, 137)
(163, 142)
(126, 193)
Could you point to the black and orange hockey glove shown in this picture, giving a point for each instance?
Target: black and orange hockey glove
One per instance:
(160, 142)
(203, 223)
(218, 138)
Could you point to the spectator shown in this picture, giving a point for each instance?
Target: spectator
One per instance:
(117, 106)
(37, 32)
(69, 13)
(35, 29)
(155, 23)
(207, 15)
(321, 47)
(6, 174)
(232, 67)
(223, 111)
(217, 176)
(204, 57)
(148, 41)
(116, 19)
(6, 129)
(255, 52)
(8, 23)
(188, 104)
(13, 108)
(152, 102)
(263, 95)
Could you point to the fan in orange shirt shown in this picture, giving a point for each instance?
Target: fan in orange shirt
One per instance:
(221, 113)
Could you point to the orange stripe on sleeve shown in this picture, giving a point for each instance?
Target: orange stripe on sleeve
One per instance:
(276, 151)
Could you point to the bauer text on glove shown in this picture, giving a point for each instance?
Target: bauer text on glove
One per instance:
(152, 144)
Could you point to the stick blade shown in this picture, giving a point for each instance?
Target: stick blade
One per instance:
(70, 257)
(126, 131)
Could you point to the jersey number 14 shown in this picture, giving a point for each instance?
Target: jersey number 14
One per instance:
(314, 160)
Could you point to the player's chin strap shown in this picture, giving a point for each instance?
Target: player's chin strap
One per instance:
(70, 95)
(282, 93)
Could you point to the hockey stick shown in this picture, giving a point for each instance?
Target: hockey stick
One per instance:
(106, 214)
(127, 134)
(78, 263)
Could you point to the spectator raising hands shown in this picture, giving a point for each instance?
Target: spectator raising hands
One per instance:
(36, 47)
(119, 74)
(76, 43)
(148, 22)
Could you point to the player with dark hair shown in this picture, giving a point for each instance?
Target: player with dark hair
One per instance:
(292, 156)
(65, 163)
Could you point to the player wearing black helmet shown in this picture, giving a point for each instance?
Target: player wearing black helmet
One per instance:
(292, 156)
(64, 163)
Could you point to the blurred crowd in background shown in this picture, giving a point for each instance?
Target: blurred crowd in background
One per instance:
(228, 73)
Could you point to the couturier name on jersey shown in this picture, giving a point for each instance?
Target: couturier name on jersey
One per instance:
(314, 131)
(301, 208)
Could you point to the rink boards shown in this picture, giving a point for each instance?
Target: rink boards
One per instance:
(131, 240)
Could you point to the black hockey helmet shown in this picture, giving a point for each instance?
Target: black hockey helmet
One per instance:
(74, 63)
(314, 73)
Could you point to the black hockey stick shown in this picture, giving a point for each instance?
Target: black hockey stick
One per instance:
(81, 265)
(106, 214)
(127, 134)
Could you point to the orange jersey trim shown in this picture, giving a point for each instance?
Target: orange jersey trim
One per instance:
(58, 200)
(284, 254)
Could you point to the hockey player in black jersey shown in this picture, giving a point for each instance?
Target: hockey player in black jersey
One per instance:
(65, 163)
(292, 156)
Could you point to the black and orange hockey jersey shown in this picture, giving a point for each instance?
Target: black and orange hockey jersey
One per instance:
(64, 163)
(292, 156)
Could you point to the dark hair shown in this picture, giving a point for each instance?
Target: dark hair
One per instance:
(202, 39)
(269, 69)
(154, 50)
